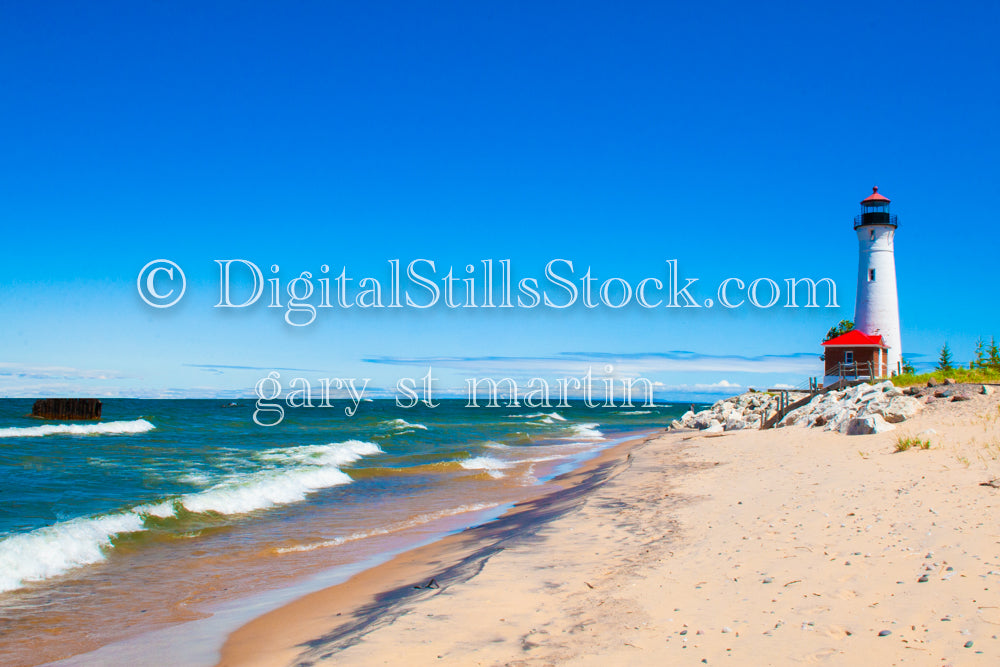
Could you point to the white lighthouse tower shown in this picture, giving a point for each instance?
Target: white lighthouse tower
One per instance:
(876, 311)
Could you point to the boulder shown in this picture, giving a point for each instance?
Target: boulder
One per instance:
(703, 419)
(840, 420)
(735, 421)
(901, 408)
(932, 382)
(876, 406)
(852, 393)
(986, 390)
(949, 380)
(831, 414)
(714, 427)
(868, 425)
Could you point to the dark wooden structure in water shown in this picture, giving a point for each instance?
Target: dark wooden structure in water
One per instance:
(67, 408)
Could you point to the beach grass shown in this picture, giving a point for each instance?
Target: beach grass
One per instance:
(971, 376)
(905, 443)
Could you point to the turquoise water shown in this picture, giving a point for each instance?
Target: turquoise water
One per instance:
(67, 491)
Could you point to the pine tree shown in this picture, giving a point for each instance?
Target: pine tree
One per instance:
(908, 368)
(980, 361)
(993, 355)
(944, 358)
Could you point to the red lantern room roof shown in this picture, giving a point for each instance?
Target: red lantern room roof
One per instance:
(874, 198)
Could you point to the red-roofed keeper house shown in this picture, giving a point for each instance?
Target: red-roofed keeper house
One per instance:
(856, 354)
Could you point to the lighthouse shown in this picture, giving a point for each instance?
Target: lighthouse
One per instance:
(876, 310)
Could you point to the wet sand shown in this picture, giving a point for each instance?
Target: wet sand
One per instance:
(757, 547)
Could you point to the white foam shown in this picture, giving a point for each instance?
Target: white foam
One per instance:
(492, 466)
(331, 454)
(496, 445)
(539, 459)
(162, 510)
(335, 542)
(261, 490)
(53, 550)
(106, 428)
(586, 431)
(634, 412)
(484, 463)
(402, 525)
(312, 467)
(103, 463)
(550, 417)
(401, 424)
(195, 478)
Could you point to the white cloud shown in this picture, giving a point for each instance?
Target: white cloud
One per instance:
(27, 371)
(720, 387)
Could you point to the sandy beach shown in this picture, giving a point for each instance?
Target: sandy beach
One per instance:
(772, 547)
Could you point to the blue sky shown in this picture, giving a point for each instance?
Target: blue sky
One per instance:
(737, 139)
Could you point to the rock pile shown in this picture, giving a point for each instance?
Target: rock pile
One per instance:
(857, 410)
(949, 390)
(748, 410)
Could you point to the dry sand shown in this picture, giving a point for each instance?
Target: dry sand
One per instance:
(752, 548)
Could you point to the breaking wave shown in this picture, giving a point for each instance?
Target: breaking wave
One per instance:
(586, 432)
(54, 550)
(308, 468)
(402, 424)
(106, 428)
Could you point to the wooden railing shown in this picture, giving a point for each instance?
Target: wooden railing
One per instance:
(856, 370)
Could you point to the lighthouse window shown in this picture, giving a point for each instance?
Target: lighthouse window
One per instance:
(871, 234)
(871, 275)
